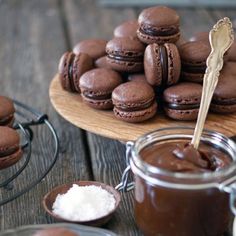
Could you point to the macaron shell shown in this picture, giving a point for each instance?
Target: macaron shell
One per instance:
(63, 68)
(200, 36)
(82, 63)
(125, 66)
(137, 77)
(102, 63)
(180, 41)
(232, 52)
(174, 63)
(229, 68)
(9, 140)
(183, 93)
(224, 97)
(95, 48)
(158, 17)
(100, 81)
(223, 109)
(152, 65)
(194, 53)
(226, 88)
(10, 151)
(186, 115)
(136, 116)
(7, 121)
(149, 39)
(101, 104)
(126, 95)
(125, 54)
(10, 160)
(126, 47)
(127, 29)
(7, 111)
(192, 77)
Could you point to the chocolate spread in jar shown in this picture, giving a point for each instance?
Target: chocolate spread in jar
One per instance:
(163, 211)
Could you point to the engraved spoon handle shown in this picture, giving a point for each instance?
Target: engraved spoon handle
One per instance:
(221, 37)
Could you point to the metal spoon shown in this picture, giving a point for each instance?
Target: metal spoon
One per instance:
(221, 37)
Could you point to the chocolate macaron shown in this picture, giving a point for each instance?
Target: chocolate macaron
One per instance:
(97, 85)
(203, 37)
(158, 25)
(224, 97)
(10, 150)
(101, 62)
(7, 111)
(232, 52)
(182, 101)
(125, 54)
(95, 48)
(134, 101)
(162, 64)
(193, 57)
(127, 29)
(200, 36)
(71, 67)
(137, 77)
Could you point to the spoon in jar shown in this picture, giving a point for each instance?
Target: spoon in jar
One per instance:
(221, 37)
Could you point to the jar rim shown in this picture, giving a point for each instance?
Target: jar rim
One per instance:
(220, 139)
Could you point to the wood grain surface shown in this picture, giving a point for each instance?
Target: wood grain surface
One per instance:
(34, 36)
(29, 56)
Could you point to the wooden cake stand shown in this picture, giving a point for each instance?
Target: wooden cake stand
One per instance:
(71, 107)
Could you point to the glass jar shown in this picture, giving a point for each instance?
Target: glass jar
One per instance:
(182, 204)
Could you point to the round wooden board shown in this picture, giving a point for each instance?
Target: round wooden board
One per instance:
(71, 107)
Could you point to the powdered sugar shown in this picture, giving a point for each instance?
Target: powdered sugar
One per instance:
(83, 203)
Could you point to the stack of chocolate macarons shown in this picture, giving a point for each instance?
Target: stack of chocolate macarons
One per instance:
(10, 150)
(145, 64)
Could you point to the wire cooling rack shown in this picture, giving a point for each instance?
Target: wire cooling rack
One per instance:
(36, 162)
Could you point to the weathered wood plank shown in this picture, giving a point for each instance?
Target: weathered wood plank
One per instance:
(31, 44)
(194, 20)
(87, 19)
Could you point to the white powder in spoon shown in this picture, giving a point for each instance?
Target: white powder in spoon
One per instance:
(84, 203)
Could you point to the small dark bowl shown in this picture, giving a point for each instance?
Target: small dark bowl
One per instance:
(50, 197)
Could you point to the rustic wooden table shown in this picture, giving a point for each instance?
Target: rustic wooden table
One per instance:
(34, 34)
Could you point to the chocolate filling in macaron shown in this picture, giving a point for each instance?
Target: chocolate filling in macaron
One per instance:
(158, 25)
(134, 101)
(155, 32)
(10, 150)
(7, 111)
(224, 97)
(95, 48)
(70, 72)
(97, 85)
(182, 101)
(71, 67)
(162, 64)
(193, 57)
(125, 54)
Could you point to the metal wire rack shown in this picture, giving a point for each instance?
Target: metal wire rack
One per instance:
(26, 119)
